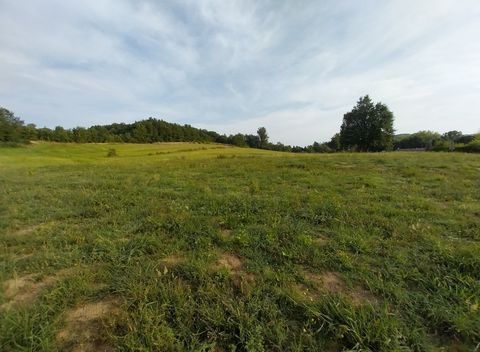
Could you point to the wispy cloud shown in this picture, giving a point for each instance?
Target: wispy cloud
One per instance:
(293, 66)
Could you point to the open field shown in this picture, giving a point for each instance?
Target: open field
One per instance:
(197, 247)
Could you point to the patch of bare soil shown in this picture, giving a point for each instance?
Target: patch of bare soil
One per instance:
(329, 281)
(360, 296)
(226, 234)
(22, 291)
(85, 326)
(333, 283)
(233, 264)
(13, 287)
(304, 291)
(229, 261)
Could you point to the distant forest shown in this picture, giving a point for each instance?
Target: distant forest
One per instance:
(368, 127)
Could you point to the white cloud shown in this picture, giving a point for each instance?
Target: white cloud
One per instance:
(294, 67)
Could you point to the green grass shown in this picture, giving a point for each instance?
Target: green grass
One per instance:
(149, 229)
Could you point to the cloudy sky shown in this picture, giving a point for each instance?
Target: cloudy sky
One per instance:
(293, 66)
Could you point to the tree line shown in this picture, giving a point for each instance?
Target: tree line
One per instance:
(14, 130)
(368, 127)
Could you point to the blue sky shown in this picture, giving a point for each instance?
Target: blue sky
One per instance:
(294, 67)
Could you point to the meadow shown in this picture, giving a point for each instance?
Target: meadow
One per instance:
(206, 247)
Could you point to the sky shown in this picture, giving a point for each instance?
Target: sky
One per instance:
(293, 66)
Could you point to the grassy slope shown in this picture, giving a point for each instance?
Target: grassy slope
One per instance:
(403, 228)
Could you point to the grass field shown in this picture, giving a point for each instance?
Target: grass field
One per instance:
(172, 247)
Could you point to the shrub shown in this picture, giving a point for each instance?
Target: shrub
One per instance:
(443, 146)
(112, 153)
(473, 146)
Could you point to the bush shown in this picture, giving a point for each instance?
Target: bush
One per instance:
(11, 128)
(112, 153)
(472, 147)
(443, 146)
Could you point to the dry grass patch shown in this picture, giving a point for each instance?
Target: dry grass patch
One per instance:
(22, 256)
(85, 326)
(30, 230)
(22, 291)
(171, 260)
(320, 240)
(25, 231)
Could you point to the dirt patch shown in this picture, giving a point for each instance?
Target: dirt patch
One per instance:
(85, 326)
(329, 281)
(233, 264)
(304, 291)
(333, 283)
(360, 296)
(22, 291)
(13, 287)
(245, 279)
(230, 262)
(226, 234)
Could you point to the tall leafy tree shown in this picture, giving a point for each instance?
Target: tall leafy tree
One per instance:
(29, 132)
(263, 137)
(368, 127)
(11, 127)
(140, 133)
(451, 136)
(238, 140)
(61, 135)
(252, 141)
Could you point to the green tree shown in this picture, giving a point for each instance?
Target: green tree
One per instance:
(140, 133)
(452, 136)
(368, 127)
(29, 132)
(80, 135)
(11, 127)
(238, 140)
(334, 143)
(263, 137)
(252, 141)
(320, 148)
(61, 135)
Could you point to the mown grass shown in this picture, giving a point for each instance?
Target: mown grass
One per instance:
(214, 248)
